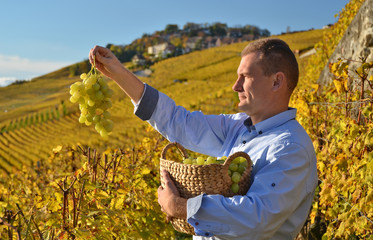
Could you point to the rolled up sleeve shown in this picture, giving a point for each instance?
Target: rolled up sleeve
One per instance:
(193, 130)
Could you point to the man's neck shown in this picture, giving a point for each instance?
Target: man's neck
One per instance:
(257, 118)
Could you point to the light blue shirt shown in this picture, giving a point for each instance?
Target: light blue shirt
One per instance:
(284, 174)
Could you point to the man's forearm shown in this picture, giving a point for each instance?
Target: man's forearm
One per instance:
(130, 84)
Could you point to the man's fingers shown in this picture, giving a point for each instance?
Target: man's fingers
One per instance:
(92, 53)
(95, 53)
(165, 176)
(160, 188)
(168, 183)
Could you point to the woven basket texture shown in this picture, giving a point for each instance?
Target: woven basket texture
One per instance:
(192, 180)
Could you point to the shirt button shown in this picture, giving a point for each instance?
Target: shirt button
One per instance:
(260, 132)
(244, 142)
(197, 223)
(207, 234)
(273, 184)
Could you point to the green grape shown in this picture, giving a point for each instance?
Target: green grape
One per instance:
(96, 86)
(73, 100)
(75, 86)
(106, 114)
(89, 117)
(99, 95)
(244, 163)
(104, 134)
(91, 103)
(108, 93)
(102, 82)
(88, 123)
(96, 119)
(90, 81)
(200, 161)
(210, 160)
(229, 173)
(236, 177)
(98, 127)
(241, 168)
(236, 160)
(242, 159)
(91, 110)
(233, 167)
(108, 125)
(81, 100)
(235, 187)
(83, 76)
(90, 91)
(188, 161)
(82, 119)
(84, 110)
(77, 95)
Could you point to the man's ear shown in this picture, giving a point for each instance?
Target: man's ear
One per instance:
(279, 81)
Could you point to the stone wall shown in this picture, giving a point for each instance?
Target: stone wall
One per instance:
(356, 42)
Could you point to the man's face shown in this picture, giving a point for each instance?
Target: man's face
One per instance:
(252, 86)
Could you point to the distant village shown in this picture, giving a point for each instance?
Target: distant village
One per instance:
(173, 41)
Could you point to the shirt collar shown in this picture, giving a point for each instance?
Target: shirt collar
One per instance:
(271, 122)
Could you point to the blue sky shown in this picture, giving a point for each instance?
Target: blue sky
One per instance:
(37, 37)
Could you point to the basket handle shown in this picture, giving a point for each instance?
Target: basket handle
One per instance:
(181, 149)
(235, 155)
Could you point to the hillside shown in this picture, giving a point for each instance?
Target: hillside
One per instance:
(211, 71)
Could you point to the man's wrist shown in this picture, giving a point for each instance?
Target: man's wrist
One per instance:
(179, 207)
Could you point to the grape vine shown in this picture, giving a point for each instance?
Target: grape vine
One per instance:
(339, 119)
(79, 193)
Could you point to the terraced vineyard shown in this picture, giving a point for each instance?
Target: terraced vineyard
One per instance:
(209, 77)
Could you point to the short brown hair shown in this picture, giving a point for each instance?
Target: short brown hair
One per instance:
(275, 56)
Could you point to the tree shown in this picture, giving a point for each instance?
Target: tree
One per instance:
(73, 70)
(189, 26)
(171, 28)
(218, 29)
(176, 41)
(265, 33)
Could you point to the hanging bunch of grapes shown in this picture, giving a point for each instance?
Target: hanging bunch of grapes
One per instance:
(93, 95)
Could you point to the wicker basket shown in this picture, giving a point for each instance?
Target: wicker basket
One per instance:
(192, 180)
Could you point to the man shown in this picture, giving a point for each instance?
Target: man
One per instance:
(284, 174)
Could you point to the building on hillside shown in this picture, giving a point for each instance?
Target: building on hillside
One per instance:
(247, 37)
(211, 42)
(234, 33)
(161, 50)
(193, 43)
(138, 60)
(227, 41)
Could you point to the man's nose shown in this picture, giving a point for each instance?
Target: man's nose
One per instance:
(237, 86)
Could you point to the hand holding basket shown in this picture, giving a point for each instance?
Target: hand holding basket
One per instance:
(192, 180)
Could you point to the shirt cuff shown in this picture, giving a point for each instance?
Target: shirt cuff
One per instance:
(193, 204)
(147, 103)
